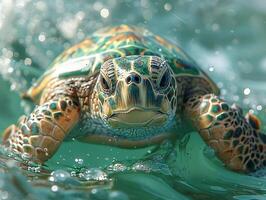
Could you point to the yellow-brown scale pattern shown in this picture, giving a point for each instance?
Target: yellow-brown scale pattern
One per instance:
(87, 82)
(39, 135)
(237, 140)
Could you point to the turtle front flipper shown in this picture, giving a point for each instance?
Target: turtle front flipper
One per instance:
(39, 135)
(236, 139)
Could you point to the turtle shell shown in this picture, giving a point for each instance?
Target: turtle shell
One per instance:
(86, 58)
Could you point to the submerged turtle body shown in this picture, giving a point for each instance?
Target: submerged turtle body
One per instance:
(127, 87)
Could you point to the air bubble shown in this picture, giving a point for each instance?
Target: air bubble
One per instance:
(211, 69)
(34, 169)
(167, 6)
(79, 161)
(259, 107)
(41, 37)
(27, 61)
(54, 188)
(247, 91)
(141, 167)
(59, 176)
(251, 111)
(10, 70)
(93, 174)
(117, 167)
(104, 12)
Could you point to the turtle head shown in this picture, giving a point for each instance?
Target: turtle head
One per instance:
(136, 92)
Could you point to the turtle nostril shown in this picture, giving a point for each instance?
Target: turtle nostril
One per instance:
(137, 79)
(133, 78)
(128, 80)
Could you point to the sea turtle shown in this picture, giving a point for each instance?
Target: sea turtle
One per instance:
(128, 87)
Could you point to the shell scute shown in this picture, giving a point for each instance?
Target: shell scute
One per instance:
(86, 58)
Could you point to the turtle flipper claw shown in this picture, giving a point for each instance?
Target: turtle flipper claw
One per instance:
(253, 120)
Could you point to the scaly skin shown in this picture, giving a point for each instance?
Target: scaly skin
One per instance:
(39, 135)
(130, 103)
(237, 140)
(127, 87)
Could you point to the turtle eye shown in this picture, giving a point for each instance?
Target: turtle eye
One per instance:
(104, 83)
(165, 80)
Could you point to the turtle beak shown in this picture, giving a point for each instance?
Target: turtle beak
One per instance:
(137, 117)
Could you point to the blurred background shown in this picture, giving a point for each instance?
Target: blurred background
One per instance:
(227, 38)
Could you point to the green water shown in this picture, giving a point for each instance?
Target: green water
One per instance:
(226, 38)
